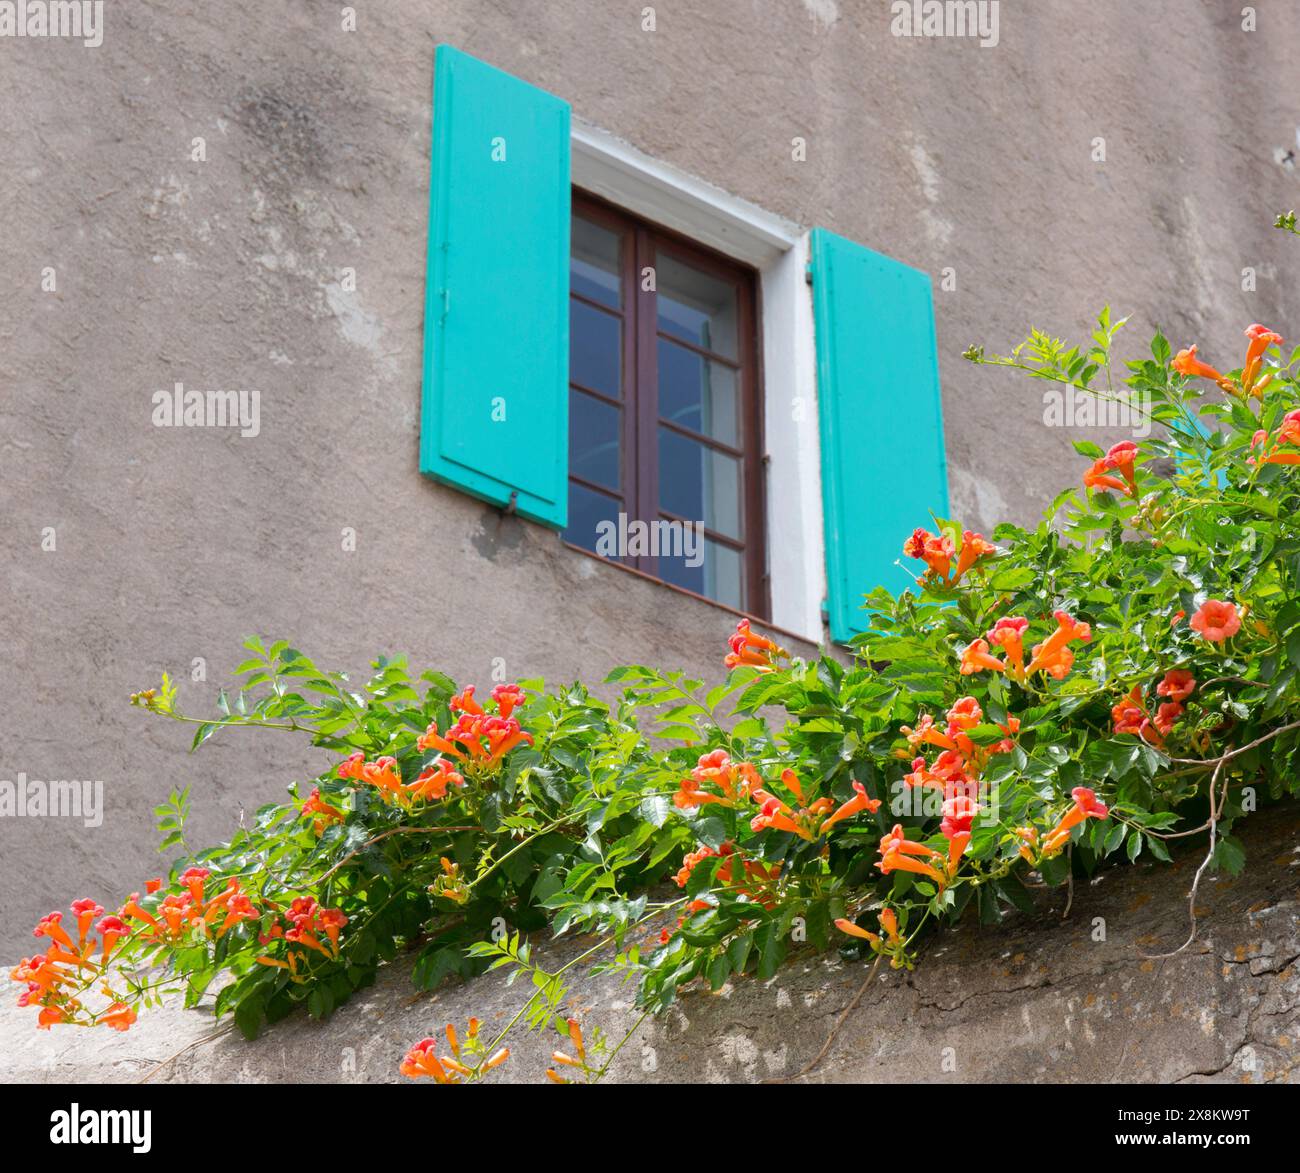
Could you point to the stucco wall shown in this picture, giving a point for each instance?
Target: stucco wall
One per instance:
(173, 544)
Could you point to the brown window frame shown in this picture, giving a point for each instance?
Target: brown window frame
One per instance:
(642, 241)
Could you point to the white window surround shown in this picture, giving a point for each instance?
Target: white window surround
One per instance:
(610, 168)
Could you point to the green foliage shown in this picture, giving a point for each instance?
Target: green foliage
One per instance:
(583, 831)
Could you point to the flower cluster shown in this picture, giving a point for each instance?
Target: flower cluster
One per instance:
(938, 550)
(182, 915)
(717, 769)
(809, 820)
(478, 741)
(1120, 459)
(891, 945)
(955, 773)
(303, 926)
(1053, 656)
(958, 766)
(753, 874)
(1283, 446)
(753, 651)
(320, 812)
(422, 1059)
(451, 884)
(1130, 715)
(1034, 849)
(385, 774)
(57, 979)
(1260, 338)
(740, 781)
(562, 1060)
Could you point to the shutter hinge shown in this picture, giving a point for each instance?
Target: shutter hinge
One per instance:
(808, 273)
(512, 503)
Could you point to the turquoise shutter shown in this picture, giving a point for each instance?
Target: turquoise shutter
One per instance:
(881, 419)
(494, 415)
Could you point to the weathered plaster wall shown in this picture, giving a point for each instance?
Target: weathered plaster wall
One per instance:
(173, 544)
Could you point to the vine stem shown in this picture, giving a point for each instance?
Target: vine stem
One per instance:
(209, 1038)
(505, 1031)
(1206, 763)
(509, 1026)
(614, 1053)
(228, 723)
(835, 1030)
(551, 826)
(1215, 811)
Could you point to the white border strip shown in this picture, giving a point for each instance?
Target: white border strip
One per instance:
(615, 170)
(795, 551)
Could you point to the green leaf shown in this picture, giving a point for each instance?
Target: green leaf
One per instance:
(772, 945)
(654, 809)
(248, 1015)
(1229, 855)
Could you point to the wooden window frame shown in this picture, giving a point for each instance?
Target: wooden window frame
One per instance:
(642, 241)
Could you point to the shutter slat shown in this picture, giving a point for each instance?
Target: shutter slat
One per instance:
(494, 418)
(881, 419)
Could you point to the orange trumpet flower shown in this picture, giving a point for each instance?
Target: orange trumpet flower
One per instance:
(1053, 655)
(1120, 458)
(434, 781)
(49, 926)
(429, 739)
(119, 1016)
(1177, 685)
(319, 811)
(1216, 621)
(898, 853)
(773, 814)
(754, 651)
(974, 549)
(888, 923)
(464, 702)
(508, 698)
(1186, 363)
(861, 801)
(936, 551)
(976, 658)
(1086, 806)
(1008, 633)
(1261, 338)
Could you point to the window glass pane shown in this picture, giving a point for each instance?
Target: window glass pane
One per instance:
(699, 483)
(593, 440)
(697, 394)
(694, 306)
(718, 576)
(594, 266)
(595, 349)
(587, 509)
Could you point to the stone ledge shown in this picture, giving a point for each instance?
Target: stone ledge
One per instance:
(1033, 1000)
